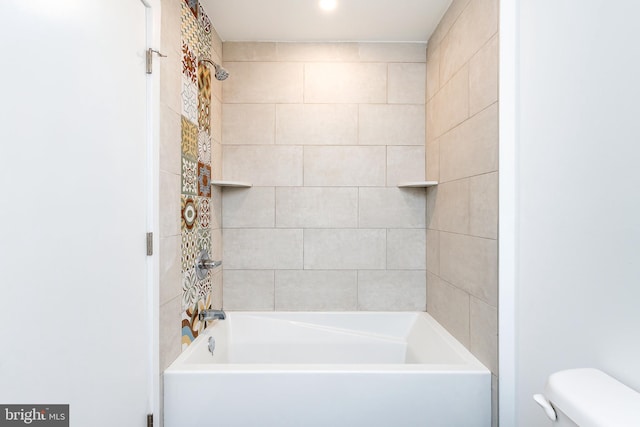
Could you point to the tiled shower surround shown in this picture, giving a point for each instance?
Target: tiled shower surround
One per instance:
(324, 132)
(462, 154)
(190, 155)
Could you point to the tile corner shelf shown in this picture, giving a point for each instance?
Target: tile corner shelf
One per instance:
(418, 184)
(236, 184)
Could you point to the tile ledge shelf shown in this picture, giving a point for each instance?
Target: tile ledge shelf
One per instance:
(236, 184)
(418, 184)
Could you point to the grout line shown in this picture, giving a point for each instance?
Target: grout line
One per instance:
(469, 312)
(304, 82)
(357, 290)
(358, 208)
(387, 85)
(303, 254)
(274, 288)
(275, 124)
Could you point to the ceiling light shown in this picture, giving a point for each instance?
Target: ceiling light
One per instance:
(328, 5)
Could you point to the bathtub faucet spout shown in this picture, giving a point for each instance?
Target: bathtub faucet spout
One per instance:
(208, 315)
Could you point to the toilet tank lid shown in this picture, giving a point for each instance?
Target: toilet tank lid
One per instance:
(592, 398)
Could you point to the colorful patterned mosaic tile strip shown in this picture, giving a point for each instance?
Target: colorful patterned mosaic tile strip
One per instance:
(195, 203)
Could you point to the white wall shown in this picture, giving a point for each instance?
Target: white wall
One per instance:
(577, 202)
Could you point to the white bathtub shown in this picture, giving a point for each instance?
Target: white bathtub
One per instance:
(366, 369)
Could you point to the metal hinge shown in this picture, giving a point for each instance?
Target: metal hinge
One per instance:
(150, 420)
(149, 244)
(150, 53)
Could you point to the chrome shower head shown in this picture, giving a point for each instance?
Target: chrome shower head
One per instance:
(221, 73)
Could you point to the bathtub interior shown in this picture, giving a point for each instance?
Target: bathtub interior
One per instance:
(327, 338)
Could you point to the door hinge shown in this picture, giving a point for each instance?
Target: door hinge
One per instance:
(150, 420)
(149, 244)
(150, 53)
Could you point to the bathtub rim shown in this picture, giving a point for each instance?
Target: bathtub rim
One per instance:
(471, 364)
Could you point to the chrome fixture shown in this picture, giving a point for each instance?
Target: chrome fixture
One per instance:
(221, 73)
(204, 263)
(208, 315)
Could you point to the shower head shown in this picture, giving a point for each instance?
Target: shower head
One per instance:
(221, 73)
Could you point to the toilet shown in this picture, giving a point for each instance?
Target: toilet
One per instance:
(589, 398)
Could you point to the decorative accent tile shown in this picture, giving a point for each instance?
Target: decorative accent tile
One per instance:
(189, 213)
(204, 287)
(187, 334)
(189, 249)
(189, 63)
(189, 177)
(191, 326)
(204, 180)
(204, 33)
(190, 28)
(204, 240)
(189, 139)
(204, 147)
(203, 20)
(203, 205)
(193, 6)
(204, 98)
(189, 100)
(189, 289)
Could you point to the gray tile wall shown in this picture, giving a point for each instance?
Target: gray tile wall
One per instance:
(462, 155)
(324, 132)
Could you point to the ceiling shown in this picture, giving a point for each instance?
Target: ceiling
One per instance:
(304, 21)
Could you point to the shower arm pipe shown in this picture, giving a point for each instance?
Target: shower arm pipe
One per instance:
(208, 61)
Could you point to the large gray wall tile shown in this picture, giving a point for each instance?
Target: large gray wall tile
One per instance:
(316, 290)
(390, 290)
(249, 290)
(316, 207)
(470, 263)
(344, 249)
(263, 165)
(262, 248)
(483, 205)
(248, 124)
(484, 333)
(406, 249)
(449, 306)
(392, 208)
(471, 148)
(317, 124)
(407, 83)
(405, 164)
(453, 206)
(391, 125)
(344, 166)
(346, 83)
(263, 82)
(254, 207)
